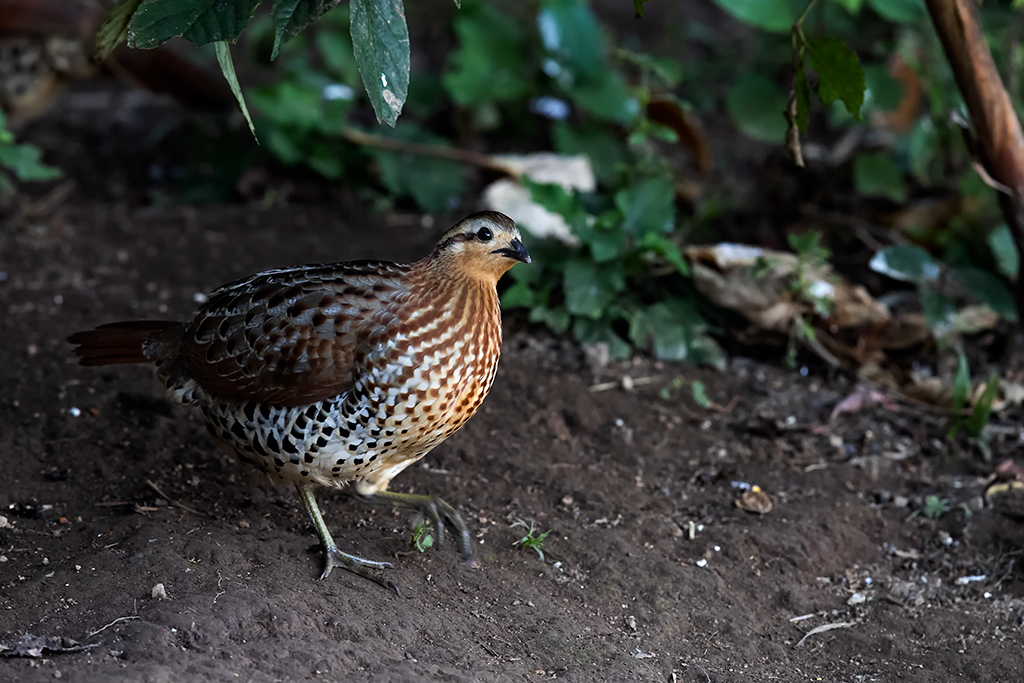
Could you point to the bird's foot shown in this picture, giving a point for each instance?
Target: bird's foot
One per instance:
(432, 508)
(368, 569)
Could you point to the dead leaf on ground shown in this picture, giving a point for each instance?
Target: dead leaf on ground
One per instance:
(671, 114)
(37, 646)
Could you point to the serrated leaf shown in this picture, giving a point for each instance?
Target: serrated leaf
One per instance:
(227, 67)
(291, 16)
(380, 41)
(200, 21)
(769, 15)
(647, 206)
(756, 106)
(114, 29)
(840, 76)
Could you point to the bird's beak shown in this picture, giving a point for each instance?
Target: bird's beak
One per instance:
(515, 251)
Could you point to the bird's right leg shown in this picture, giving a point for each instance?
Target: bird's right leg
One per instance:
(368, 569)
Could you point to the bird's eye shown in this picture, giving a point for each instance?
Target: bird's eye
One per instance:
(484, 234)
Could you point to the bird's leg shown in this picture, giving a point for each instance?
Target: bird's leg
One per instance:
(432, 507)
(333, 556)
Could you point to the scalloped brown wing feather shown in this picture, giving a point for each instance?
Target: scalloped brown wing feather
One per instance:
(294, 336)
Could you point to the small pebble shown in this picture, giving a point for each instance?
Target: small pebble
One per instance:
(702, 562)
(159, 592)
(74, 412)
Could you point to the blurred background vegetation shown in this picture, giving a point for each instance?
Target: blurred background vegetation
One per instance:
(679, 117)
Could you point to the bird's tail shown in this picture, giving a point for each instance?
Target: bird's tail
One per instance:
(119, 342)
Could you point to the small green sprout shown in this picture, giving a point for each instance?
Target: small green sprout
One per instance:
(935, 507)
(531, 539)
(423, 535)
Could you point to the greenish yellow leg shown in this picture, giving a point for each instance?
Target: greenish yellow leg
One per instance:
(435, 509)
(368, 569)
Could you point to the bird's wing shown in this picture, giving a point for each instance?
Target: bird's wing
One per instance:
(293, 336)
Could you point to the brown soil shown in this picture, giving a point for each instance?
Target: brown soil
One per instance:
(650, 573)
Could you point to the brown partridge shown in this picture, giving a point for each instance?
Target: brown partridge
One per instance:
(339, 374)
(46, 44)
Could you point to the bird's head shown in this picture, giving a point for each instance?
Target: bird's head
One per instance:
(482, 247)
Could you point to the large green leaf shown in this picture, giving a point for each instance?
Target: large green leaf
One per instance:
(25, 161)
(989, 290)
(589, 288)
(572, 35)
(114, 29)
(770, 15)
(291, 16)
(200, 21)
(488, 65)
(380, 40)
(673, 330)
(1000, 241)
(840, 76)
(647, 206)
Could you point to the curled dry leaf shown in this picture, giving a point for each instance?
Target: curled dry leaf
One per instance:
(670, 114)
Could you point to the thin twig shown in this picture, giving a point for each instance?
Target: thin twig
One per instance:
(174, 502)
(467, 156)
(110, 624)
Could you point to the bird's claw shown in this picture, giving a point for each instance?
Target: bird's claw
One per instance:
(433, 508)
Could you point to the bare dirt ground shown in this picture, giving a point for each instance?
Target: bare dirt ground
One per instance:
(651, 572)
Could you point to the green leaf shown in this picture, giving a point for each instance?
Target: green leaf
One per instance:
(768, 15)
(606, 97)
(989, 290)
(840, 76)
(289, 104)
(200, 21)
(803, 99)
(939, 312)
(898, 11)
(380, 40)
(291, 16)
(25, 161)
(906, 263)
(851, 6)
(590, 288)
(571, 34)
(1000, 241)
(114, 29)
(519, 295)
(667, 249)
(227, 68)
(488, 66)
(700, 397)
(673, 330)
(875, 175)
(756, 107)
(647, 206)
(638, 5)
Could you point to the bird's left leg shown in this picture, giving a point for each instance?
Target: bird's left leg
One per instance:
(333, 556)
(432, 507)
